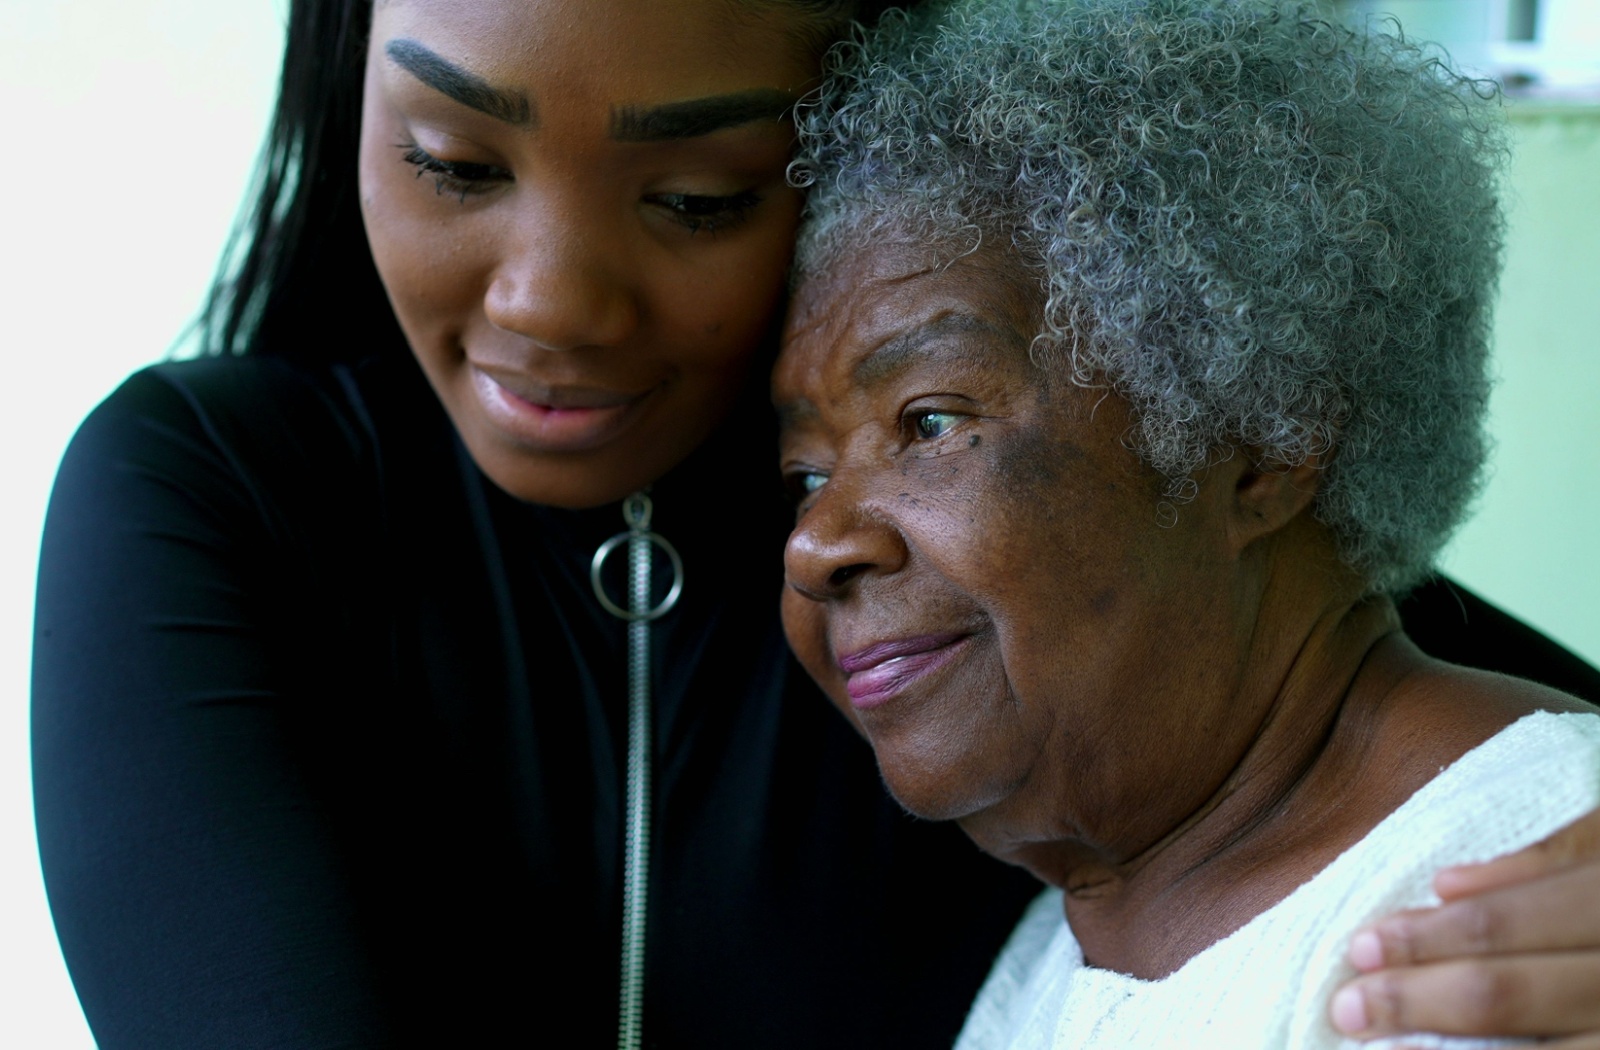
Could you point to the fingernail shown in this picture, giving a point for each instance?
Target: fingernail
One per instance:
(1366, 951)
(1451, 882)
(1349, 1011)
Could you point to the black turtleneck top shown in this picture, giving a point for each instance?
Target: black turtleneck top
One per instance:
(329, 736)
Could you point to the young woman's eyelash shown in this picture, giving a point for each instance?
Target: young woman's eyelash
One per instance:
(457, 177)
(699, 212)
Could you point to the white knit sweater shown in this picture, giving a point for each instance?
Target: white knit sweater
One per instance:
(1268, 984)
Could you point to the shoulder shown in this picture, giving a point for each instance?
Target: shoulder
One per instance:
(1496, 762)
(256, 420)
(242, 403)
(1503, 697)
(229, 448)
(1412, 716)
(1449, 711)
(1534, 776)
(1520, 785)
(230, 490)
(1526, 781)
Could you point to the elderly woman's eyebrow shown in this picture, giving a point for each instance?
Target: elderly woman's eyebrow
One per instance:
(453, 82)
(699, 116)
(793, 413)
(922, 342)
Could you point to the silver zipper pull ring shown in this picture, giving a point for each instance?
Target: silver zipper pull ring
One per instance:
(637, 510)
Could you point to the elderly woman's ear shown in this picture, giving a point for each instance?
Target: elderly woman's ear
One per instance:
(1266, 495)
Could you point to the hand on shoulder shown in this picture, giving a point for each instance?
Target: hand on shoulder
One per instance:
(1513, 950)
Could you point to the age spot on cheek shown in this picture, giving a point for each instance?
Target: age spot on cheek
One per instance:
(1031, 467)
(1031, 471)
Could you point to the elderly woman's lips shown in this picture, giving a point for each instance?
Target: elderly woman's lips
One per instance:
(879, 671)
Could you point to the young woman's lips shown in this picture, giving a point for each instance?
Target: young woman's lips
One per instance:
(879, 671)
(556, 419)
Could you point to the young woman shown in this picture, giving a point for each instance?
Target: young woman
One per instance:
(331, 727)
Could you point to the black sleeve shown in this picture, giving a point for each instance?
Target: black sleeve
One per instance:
(1451, 623)
(191, 853)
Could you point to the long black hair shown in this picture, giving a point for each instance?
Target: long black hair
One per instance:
(297, 278)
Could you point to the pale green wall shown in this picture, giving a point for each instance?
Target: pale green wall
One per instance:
(1533, 545)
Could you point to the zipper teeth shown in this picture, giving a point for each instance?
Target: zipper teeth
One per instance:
(636, 841)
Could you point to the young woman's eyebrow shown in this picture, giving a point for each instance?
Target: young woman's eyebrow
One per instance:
(456, 83)
(699, 116)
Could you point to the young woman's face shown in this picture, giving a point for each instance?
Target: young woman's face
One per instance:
(579, 211)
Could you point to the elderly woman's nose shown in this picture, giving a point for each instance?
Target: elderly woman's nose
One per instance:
(837, 542)
(562, 283)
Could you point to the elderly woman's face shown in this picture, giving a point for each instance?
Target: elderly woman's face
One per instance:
(978, 574)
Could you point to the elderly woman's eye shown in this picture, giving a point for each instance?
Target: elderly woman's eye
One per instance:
(802, 483)
(929, 425)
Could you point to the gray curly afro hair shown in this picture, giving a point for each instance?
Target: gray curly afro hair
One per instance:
(1267, 232)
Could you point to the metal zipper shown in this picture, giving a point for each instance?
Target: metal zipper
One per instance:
(637, 510)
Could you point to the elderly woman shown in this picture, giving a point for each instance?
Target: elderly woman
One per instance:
(1137, 360)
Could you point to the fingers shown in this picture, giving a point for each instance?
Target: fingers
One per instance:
(1575, 844)
(1519, 960)
(1557, 913)
(1531, 995)
(1514, 951)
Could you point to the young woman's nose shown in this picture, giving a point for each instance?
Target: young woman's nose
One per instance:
(562, 284)
(838, 542)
